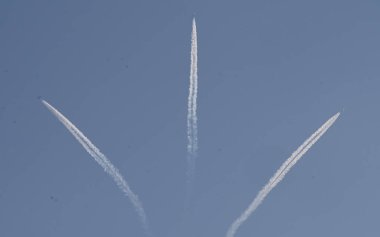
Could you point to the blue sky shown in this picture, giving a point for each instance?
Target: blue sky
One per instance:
(270, 73)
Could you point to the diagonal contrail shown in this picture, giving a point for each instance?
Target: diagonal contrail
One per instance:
(103, 161)
(280, 174)
(192, 126)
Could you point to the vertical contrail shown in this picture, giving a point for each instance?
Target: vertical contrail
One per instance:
(280, 174)
(192, 126)
(103, 161)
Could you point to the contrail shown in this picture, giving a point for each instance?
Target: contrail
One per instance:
(103, 161)
(280, 174)
(192, 126)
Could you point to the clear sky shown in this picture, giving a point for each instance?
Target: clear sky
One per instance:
(270, 73)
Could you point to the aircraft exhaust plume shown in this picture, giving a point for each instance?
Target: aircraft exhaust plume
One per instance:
(192, 126)
(103, 161)
(280, 174)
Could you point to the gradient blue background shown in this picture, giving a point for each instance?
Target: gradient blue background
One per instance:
(270, 73)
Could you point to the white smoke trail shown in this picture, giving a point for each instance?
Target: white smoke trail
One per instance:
(280, 174)
(103, 161)
(192, 126)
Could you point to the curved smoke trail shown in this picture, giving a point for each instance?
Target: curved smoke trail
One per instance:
(103, 161)
(280, 174)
